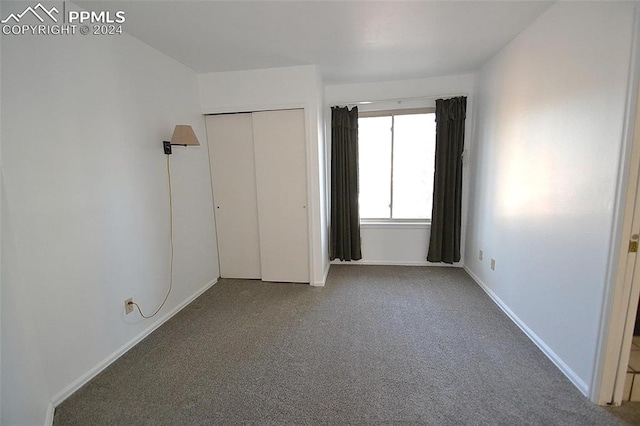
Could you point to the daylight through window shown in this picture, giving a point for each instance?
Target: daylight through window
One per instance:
(396, 159)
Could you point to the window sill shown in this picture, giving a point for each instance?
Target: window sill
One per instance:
(389, 224)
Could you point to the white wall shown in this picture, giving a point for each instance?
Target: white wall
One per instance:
(85, 208)
(281, 88)
(550, 111)
(406, 244)
(1, 207)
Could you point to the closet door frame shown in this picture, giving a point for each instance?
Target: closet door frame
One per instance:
(312, 178)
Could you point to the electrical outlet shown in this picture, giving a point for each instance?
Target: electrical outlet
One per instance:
(128, 307)
(493, 264)
(481, 255)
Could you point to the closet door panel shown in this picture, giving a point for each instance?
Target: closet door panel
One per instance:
(234, 191)
(280, 159)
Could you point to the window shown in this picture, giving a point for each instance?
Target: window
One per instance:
(396, 153)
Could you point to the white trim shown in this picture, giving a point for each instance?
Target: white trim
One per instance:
(396, 102)
(381, 224)
(254, 108)
(571, 375)
(396, 263)
(86, 377)
(324, 277)
(48, 420)
(606, 372)
(397, 110)
(310, 189)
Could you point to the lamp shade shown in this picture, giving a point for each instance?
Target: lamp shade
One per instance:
(183, 135)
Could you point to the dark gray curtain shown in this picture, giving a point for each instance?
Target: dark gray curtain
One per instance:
(345, 218)
(444, 245)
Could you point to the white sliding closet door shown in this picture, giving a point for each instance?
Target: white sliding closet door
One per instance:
(234, 187)
(280, 158)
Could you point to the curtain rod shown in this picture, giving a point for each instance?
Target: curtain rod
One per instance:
(398, 100)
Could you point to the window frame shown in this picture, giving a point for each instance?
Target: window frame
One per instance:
(391, 222)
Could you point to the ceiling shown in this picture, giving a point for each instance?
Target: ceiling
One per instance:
(350, 41)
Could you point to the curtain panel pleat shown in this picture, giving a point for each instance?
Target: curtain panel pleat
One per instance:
(446, 218)
(345, 217)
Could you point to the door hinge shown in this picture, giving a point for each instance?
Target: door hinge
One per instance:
(633, 246)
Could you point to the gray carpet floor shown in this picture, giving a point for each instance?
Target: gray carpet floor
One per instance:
(377, 345)
(628, 411)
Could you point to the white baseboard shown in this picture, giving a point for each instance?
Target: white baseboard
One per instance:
(85, 378)
(566, 370)
(48, 421)
(396, 263)
(324, 277)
